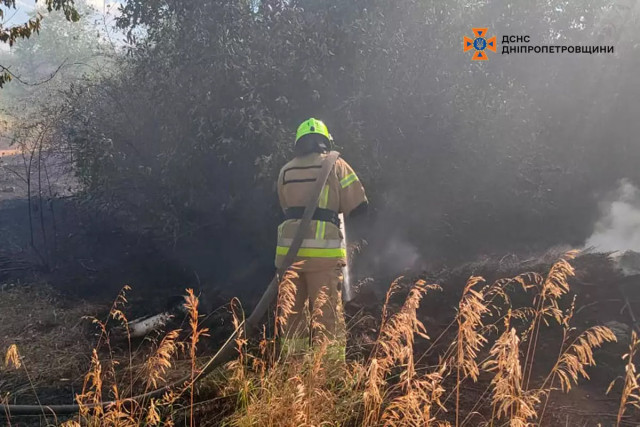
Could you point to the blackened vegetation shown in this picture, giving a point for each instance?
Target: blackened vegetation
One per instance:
(459, 158)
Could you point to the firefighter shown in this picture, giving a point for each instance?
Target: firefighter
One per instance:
(323, 249)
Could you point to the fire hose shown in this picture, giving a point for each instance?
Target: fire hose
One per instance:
(227, 352)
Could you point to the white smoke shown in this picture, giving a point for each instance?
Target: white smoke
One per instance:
(619, 227)
(397, 255)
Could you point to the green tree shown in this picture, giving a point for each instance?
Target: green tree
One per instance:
(458, 157)
(9, 35)
(66, 52)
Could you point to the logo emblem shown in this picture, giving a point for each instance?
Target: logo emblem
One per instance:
(480, 44)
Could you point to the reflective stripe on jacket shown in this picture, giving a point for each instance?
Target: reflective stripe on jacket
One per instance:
(323, 242)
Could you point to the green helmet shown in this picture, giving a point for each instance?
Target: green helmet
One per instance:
(312, 126)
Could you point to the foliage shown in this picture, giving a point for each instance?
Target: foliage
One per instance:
(11, 34)
(65, 53)
(186, 141)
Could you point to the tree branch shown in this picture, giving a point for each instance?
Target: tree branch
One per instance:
(19, 79)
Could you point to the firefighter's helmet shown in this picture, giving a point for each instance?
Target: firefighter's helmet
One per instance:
(311, 126)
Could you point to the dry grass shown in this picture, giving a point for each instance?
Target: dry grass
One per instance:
(631, 389)
(387, 388)
(492, 344)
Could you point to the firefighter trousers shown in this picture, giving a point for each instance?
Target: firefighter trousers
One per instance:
(303, 327)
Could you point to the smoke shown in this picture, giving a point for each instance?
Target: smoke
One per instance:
(619, 227)
(396, 255)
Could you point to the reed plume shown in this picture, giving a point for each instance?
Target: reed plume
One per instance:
(191, 305)
(631, 390)
(159, 362)
(12, 357)
(509, 398)
(286, 299)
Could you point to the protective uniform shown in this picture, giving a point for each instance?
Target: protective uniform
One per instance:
(323, 248)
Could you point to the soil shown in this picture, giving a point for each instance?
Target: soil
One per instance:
(52, 338)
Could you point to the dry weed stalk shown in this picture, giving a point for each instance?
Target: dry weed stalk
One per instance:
(509, 398)
(554, 286)
(14, 360)
(191, 305)
(153, 414)
(260, 363)
(378, 367)
(468, 340)
(631, 390)
(311, 394)
(413, 407)
(239, 378)
(374, 391)
(12, 357)
(395, 348)
(116, 415)
(90, 399)
(159, 362)
(578, 355)
(574, 358)
(318, 329)
(286, 299)
(310, 391)
(115, 313)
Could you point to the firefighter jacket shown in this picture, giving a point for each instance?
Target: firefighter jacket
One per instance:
(323, 245)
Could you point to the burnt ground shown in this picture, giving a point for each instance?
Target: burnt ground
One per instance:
(81, 253)
(47, 288)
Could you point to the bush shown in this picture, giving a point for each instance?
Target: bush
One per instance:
(186, 142)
